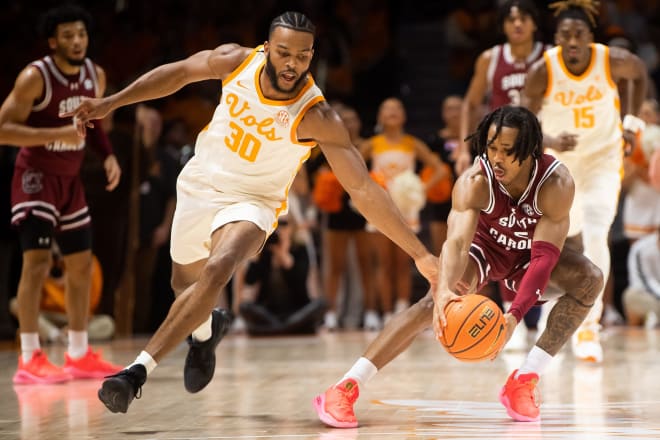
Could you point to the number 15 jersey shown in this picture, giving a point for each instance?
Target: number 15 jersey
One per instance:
(587, 104)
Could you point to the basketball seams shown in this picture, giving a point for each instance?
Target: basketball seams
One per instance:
(460, 328)
(489, 350)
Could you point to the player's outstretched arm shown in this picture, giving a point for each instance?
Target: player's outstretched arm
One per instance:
(469, 196)
(322, 124)
(165, 80)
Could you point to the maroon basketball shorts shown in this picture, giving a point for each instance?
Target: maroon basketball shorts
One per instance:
(46, 206)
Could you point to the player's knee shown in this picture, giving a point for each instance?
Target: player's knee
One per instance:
(36, 264)
(219, 268)
(592, 283)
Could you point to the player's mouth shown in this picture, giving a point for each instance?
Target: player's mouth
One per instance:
(498, 172)
(289, 77)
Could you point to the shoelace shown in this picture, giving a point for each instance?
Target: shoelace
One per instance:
(346, 400)
(532, 390)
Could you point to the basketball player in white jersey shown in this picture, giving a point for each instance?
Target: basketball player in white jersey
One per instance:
(232, 191)
(574, 91)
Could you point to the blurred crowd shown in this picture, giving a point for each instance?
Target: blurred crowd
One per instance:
(324, 266)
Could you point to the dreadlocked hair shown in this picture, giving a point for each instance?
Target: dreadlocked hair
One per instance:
(529, 141)
(292, 20)
(585, 10)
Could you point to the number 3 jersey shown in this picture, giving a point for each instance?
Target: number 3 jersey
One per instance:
(250, 149)
(586, 105)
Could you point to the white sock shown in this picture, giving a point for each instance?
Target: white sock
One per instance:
(146, 360)
(204, 331)
(77, 344)
(362, 371)
(29, 344)
(537, 361)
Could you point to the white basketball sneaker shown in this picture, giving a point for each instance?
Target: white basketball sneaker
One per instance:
(586, 343)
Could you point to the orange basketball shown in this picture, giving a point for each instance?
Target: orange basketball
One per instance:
(475, 328)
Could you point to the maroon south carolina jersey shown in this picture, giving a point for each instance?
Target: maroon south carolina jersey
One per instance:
(506, 77)
(503, 240)
(61, 93)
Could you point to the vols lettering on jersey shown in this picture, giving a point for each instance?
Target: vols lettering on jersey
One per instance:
(506, 227)
(62, 93)
(587, 105)
(251, 145)
(506, 77)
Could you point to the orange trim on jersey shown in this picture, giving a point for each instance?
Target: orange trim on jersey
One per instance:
(264, 100)
(380, 144)
(296, 122)
(637, 228)
(241, 66)
(583, 75)
(608, 72)
(548, 67)
(286, 191)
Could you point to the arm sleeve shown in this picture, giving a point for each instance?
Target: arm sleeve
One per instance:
(98, 140)
(543, 260)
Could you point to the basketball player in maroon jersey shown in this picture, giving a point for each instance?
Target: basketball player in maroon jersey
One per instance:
(509, 221)
(47, 195)
(500, 71)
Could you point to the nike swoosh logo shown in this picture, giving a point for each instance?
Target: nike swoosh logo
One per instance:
(240, 84)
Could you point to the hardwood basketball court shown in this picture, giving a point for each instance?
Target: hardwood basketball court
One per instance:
(263, 389)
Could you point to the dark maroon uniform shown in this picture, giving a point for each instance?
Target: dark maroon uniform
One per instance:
(46, 181)
(506, 77)
(501, 245)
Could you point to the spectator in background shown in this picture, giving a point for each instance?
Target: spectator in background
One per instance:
(641, 299)
(9, 250)
(393, 154)
(275, 299)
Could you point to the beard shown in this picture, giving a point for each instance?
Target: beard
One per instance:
(75, 61)
(272, 76)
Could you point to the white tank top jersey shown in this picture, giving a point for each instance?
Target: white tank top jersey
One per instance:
(586, 105)
(250, 147)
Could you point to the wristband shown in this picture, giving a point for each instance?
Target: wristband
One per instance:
(633, 123)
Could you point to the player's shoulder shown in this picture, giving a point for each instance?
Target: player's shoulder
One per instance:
(472, 188)
(559, 181)
(30, 78)
(227, 57)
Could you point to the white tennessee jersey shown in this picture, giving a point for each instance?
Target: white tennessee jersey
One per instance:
(586, 105)
(250, 148)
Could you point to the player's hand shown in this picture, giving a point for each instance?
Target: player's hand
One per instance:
(564, 142)
(112, 172)
(510, 324)
(87, 110)
(441, 300)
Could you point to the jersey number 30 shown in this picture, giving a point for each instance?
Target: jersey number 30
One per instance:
(245, 144)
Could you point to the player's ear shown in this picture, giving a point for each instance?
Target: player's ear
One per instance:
(266, 47)
(52, 43)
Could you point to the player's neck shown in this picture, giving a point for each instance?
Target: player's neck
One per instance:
(520, 51)
(64, 66)
(580, 67)
(517, 187)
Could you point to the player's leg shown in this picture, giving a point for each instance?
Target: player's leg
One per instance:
(35, 235)
(581, 280)
(403, 276)
(335, 406)
(599, 201)
(231, 245)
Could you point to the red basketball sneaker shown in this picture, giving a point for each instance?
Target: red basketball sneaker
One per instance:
(519, 397)
(90, 366)
(335, 406)
(39, 370)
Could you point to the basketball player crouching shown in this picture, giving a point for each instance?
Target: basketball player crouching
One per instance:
(509, 220)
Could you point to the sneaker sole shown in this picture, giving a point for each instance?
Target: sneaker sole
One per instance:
(504, 400)
(25, 378)
(319, 406)
(110, 395)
